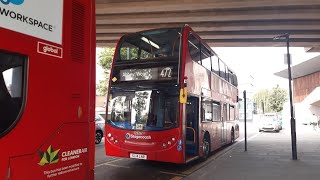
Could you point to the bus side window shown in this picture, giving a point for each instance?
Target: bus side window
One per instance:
(11, 89)
(205, 57)
(215, 64)
(216, 110)
(206, 111)
(230, 77)
(235, 80)
(222, 69)
(194, 48)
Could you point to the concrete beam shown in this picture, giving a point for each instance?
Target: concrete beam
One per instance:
(313, 49)
(219, 22)
(230, 44)
(191, 5)
(255, 15)
(256, 44)
(213, 27)
(117, 36)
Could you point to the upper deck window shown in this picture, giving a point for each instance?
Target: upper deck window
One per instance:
(215, 64)
(12, 86)
(149, 45)
(205, 57)
(194, 48)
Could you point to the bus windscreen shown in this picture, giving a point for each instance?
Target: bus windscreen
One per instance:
(143, 109)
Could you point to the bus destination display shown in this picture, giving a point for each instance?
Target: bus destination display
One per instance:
(158, 73)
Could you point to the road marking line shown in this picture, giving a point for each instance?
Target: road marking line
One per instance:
(100, 165)
(114, 165)
(176, 178)
(112, 161)
(115, 160)
(176, 174)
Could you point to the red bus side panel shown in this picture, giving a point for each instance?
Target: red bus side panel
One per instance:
(55, 134)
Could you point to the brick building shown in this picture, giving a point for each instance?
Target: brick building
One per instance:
(306, 89)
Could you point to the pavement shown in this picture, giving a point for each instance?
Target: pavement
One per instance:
(269, 156)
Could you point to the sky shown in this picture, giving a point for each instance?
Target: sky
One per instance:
(259, 62)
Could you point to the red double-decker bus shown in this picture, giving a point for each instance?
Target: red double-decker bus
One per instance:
(170, 98)
(47, 89)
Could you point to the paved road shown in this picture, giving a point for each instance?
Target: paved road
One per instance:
(123, 169)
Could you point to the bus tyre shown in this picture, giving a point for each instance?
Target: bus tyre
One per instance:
(232, 136)
(98, 137)
(205, 149)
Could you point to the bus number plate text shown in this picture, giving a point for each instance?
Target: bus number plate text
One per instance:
(138, 156)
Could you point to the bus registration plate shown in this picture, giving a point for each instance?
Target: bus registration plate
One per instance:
(138, 156)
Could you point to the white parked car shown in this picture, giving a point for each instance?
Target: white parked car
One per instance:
(270, 122)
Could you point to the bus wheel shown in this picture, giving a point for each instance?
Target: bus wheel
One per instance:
(205, 148)
(232, 136)
(98, 137)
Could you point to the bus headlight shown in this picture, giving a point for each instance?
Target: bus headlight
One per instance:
(164, 145)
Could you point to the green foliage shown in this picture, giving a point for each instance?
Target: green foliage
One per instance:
(102, 86)
(261, 98)
(105, 61)
(277, 98)
(270, 100)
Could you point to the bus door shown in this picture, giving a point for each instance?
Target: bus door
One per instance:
(192, 124)
(224, 124)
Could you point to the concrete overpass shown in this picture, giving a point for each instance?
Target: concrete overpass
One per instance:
(222, 23)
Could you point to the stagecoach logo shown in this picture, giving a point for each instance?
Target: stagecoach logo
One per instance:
(137, 135)
(15, 2)
(49, 157)
(128, 136)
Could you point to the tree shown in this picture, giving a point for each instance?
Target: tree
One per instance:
(277, 98)
(105, 60)
(270, 100)
(261, 98)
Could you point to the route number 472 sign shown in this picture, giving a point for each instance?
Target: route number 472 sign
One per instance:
(166, 72)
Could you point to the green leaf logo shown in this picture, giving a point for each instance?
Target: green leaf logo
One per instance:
(49, 157)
